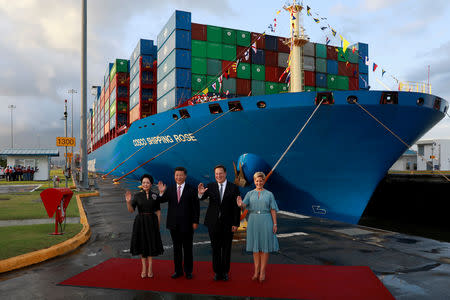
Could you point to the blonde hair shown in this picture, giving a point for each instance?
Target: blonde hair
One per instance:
(259, 174)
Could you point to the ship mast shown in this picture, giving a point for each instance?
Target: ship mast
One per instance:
(298, 40)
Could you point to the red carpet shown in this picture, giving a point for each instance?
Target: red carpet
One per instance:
(282, 281)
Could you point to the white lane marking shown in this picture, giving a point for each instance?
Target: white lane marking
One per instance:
(35, 188)
(290, 214)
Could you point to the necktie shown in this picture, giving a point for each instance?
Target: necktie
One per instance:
(179, 193)
(221, 192)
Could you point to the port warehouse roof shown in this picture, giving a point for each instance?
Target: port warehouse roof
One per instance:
(31, 152)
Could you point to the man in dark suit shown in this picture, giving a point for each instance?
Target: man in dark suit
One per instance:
(182, 219)
(222, 219)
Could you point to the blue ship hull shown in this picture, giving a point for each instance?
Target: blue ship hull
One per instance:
(331, 171)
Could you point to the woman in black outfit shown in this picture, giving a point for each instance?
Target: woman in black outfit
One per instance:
(146, 238)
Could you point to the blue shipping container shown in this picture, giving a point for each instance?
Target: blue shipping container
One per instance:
(179, 39)
(363, 68)
(364, 81)
(363, 49)
(178, 58)
(173, 98)
(106, 78)
(179, 20)
(147, 60)
(176, 78)
(271, 43)
(143, 47)
(332, 66)
(258, 58)
(321, 80)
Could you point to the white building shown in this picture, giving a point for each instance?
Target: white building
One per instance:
(406, 162)
(433, 155)
(39, 158)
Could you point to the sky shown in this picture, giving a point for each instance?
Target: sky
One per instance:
(40, 48)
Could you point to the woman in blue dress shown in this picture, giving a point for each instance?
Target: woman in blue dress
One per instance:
(262, 225)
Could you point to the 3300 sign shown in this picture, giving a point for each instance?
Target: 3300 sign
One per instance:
(65, 142)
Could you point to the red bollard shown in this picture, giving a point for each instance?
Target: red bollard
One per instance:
(56, 200)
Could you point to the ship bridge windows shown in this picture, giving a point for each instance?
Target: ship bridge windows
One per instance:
(420, 101)
(352, 99)
(389, 98)
(437, 103)
(235, 106)
(215, 108)
(326, 98)
(184, 113)
(261, 104)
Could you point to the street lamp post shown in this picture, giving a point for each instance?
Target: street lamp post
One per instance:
(12, 107)
(72, 91)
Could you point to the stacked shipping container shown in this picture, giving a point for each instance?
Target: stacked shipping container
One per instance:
(215, 49)
(329, 68)
(174, 61)
(143, 81)
(191, 57)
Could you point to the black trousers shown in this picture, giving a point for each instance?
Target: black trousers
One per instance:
(182, 242)
(221, 240)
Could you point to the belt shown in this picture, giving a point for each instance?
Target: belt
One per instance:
(259, 212)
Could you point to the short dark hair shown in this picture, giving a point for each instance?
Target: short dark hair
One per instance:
(147, 176)
(220, 166)
(183, 169)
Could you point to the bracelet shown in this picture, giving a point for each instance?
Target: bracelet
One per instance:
(274, 224)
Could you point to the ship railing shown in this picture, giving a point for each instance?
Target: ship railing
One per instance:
(410, 86)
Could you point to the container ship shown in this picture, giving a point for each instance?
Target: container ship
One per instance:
(206, 95)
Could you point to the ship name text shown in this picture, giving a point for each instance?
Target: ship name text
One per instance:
(165, 139)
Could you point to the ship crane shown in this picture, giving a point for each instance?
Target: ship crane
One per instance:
(298, 40)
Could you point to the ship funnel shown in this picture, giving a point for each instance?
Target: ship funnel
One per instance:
(298, 40)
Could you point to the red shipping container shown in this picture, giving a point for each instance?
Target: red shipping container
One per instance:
(272, 73)
(282, 46)
(348, 69)
(228, 64)
(198, 32)
(310, 78)
(332, 53)
(271, 58)
(260, 40)
(280, 72)
(240, 51)
(243, 86)
(353, 84)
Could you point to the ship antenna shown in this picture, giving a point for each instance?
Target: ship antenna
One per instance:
(298, 40)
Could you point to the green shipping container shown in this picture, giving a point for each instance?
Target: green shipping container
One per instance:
(210, 80)
(198, 82)
(348, 55)
(321, 50)
(229, 85)
(272, 88)
(258, 72)
(243, 38)
(229, 52)
(243, 71)
(258, 88)
(337, 82)
(213, 34)
(319, 89)
(310, 88)
(283, 87)
(229, 36)
(214, 67)
(214, 50)
(120, 66)
(198, 48)
(112, 110)
(199, 65)
(321, 65)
